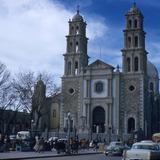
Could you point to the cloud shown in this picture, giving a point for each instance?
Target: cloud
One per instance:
(96, 29)
(32, 34)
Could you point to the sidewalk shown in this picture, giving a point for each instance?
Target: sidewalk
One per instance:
(28, 155)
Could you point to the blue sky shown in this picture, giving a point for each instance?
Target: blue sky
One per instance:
(32, 33)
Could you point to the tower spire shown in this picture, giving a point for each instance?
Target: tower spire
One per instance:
(134, 4)
(78, 9)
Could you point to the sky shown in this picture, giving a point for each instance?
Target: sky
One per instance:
(32, 32)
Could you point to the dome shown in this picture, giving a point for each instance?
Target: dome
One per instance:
(77, 17)
(152, 70)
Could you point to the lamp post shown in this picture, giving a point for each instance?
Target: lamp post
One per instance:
(97, 131)
(32, 123)
(110, 129)
(69, 133)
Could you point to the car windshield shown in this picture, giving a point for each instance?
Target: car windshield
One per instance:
(149, 147)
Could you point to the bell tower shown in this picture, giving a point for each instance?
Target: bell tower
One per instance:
(134, 53)
(75, 63)
(76, 58)
(133, 108)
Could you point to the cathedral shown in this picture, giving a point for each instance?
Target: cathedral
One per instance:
(99, 100)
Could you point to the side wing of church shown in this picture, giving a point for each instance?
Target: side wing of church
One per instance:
(104, 102)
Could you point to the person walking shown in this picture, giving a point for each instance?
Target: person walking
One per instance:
(36, 147)
(41, 145)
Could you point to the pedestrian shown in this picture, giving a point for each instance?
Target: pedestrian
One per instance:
(41, 145)
(36, 147)
(6, 143)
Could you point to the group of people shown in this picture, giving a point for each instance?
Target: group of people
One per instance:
(40, 144)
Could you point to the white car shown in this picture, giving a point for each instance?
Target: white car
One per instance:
(115, 149)
(142, 151)
(22, 135)
(52, 139)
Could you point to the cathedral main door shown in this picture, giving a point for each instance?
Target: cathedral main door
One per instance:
(98, 120)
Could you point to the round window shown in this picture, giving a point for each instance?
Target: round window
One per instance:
(131, 88)
(71, 90)
(99, 87)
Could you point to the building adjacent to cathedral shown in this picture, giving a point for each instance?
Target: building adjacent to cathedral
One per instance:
(104, 101)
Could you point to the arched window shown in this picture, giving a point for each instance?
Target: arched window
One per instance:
(136, 64)
(131, 125)
(129, 23)
(72, 30)
(77, 47)
(76, 68)
(128, 64)
(129, 42)
(77, 30)
(54, 113)
(69, 68)
(98, 123)
(136, 41)
(135, 23)
(70, 46)
(151, 87)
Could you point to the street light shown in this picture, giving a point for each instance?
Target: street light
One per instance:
(69, 133)
(32, 128)
(110, 129)
(97, 131)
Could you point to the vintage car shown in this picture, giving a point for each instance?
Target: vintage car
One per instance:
(115, 149)
(142, 151)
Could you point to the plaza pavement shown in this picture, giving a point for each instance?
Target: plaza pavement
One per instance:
(16, 155)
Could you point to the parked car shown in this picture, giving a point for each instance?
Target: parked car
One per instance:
(23, 135)
(65, 140)
(143, 150)
(52, 139)
(115, 148)
(147, 141)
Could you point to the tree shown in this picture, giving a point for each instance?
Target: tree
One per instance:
(7, 98)
(23, 86)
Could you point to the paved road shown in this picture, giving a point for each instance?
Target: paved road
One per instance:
(82, 157)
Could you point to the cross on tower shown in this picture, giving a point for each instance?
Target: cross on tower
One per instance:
(78, 9)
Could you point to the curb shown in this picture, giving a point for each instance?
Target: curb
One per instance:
(48, 156)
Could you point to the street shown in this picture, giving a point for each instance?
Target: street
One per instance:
(83, 157)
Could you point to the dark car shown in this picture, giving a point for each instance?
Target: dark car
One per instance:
(115, 149)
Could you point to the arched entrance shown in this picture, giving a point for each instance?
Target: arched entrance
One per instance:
(131, 125)
(98, 120)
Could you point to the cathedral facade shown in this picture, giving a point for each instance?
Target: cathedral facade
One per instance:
(103, 101)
